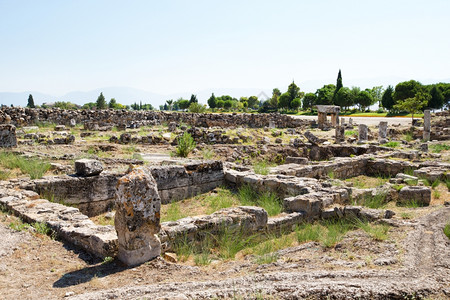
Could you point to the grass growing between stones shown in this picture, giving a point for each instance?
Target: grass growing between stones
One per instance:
(261, 167)
(375, 201)
(391, 144)
(172, 213)
(33, 167)
(365, 182)
(447, 229)
(267, 200)
(185, 144)
(438, 148)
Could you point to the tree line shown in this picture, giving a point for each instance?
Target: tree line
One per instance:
(410, 96)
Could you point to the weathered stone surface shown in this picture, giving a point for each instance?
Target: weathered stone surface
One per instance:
(137, 217)
(60, 127)
(420, 194)
(312, 138)
(362, 133)
(67, 222)
(172, 126)
(426, 125)
(382, 132)
(340, 134)
(88, 167)
(8, 137)
(296, 160)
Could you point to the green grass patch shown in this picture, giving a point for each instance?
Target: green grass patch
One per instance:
(267, 200)
(438, 148)
(377, 232)
(33, 167)
(447, 230)
(375, 201)
(408, 137)
(391, 144)
(351, 132)
(173, 213)
(223, 199)
(261, 167)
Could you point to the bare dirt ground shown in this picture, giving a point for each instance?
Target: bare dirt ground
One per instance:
(415, 260)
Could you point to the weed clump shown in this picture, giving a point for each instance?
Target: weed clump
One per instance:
(185, 145)
(267, 200)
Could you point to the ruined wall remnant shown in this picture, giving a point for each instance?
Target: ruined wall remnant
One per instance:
(137, 217)
(323, 110)
(426, 125)
(8, 137)
(107, 118)
(382, 132)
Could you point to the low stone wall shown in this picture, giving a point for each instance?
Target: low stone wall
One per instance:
(95, 194)
(109, 117)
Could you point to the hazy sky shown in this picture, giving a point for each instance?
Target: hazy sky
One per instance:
(176, 46)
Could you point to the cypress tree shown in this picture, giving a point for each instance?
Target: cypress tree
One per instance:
(338, 87)
(30, 102)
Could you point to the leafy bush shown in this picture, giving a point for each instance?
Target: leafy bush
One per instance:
(185, 145)
(197, 108)
(447, 230)
(391, 144)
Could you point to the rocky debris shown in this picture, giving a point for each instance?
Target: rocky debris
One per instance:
(60, 128)
(433, 173)
(54, 138)
(172, 126)
(88, 167)
(137, 217)
(419, 194)
(107, 118)
(8, 137)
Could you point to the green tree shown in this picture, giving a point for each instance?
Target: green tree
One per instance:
(309, 101)
(220, 104)
(325, 94)
(212, 102)
(387, 100)
(338, 86)
(30, 102)
(437, 98)
(101, 103)
(364, 100)
(377, 94)
(406, 89)
(183, 103)
(284, 101)
(414, 104)
(228, 104)
(112, 103)
(344, 98)
(252, 102)
(89, 105)
(169, 103)
(295, 104)
(193, 99)
(293, 91)
(274, 100)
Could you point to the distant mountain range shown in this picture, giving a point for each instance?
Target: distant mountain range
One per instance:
(127, 95)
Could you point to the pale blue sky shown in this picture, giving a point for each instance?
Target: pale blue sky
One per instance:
(168, 47)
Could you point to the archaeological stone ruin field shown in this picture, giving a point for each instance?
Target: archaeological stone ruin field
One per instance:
(121, 204)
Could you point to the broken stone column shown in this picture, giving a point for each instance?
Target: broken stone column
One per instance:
(426, 125)
(322, 119)
(8, 137)
(137, 217)
(334, 119)
(340, 134)
(350, 121)
(362, 133)
(382, 132)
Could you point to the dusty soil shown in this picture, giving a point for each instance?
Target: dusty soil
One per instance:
(415, 260)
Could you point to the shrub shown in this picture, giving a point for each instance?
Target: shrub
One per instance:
(185, 145)
(197, 108)
(438, 148)
(391, 144)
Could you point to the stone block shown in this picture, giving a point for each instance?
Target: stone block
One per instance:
(419, 194)
(88, 167)
(137, 217)
(296, 160)
(8, 137)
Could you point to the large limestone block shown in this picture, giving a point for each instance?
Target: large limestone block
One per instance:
(7, 136)
(88, 167)
(419, 194)
(137, 217)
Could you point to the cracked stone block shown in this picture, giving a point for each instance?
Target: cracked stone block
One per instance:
(137, 219)
(88, 167)
(8, 137)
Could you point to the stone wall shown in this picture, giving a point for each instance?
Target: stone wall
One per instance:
(8, 137)
(108, 117)
(95, 195)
